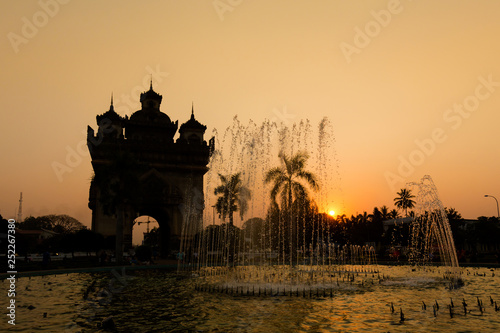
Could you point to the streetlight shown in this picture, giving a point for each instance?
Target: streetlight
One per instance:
(498, 211)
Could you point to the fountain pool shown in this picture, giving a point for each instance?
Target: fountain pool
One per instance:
(160, 301)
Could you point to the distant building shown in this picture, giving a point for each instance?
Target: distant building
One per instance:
(397, 222)
(36, 236)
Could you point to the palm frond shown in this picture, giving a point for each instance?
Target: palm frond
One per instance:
(273, 174)
(309, 178)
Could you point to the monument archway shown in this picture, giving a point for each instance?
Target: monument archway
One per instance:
(143, 226)
(139, 169)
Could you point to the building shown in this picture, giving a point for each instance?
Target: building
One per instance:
(140, 169)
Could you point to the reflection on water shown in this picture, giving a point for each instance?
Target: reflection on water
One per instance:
(156, 301)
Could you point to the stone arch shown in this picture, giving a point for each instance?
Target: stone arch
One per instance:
(167, 241)
(141, 226)
(168, 171)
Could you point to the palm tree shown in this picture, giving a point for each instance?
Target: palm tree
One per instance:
(376, 215)
(287, 179)
(393, 214)
(234, 196)
(404, 200)
(452, 214)
(384, 213)
(364, 221)
(364, 218)
(288, 182)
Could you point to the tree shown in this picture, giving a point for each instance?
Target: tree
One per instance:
(461, 235)
(393, 214)
(290, 181)
(452, 214)
(384, 213)
(252, 231)
(65, 224)
(404, 200)
(376, 215)
(62, 224)
(35, 223)
(486, 231)
(376, 226)
(287, 179)
(234, 196)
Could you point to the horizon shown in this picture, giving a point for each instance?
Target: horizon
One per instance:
(405, 99)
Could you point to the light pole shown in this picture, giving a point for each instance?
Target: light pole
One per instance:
(498, 211)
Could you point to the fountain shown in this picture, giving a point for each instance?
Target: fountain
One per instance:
(431, 230)
(293, 251)
(430, 226)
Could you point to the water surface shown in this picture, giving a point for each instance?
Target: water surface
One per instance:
(158, 301)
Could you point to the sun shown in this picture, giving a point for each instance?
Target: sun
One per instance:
(331, 213)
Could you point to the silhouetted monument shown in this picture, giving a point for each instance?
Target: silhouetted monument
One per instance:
(161, 178)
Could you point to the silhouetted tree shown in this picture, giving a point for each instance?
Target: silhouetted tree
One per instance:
(234, 196)
(290, 182)
(486, 231)
(252, 230)
(376, 215)
(374, 223)
(405, 200)
(384, 213)
(62, 224)
(35, 223)
(393, 214)
(452, 214)
(287, 179)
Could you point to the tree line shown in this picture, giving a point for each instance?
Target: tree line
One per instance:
(294, 222)
(67, 235)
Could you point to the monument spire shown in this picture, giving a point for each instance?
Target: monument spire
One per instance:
(111, 108)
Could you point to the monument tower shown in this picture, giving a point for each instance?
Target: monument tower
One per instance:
(139, 169)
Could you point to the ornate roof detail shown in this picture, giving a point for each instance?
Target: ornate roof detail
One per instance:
(150, 95)
(110, 114)
(149, 123)
(153, 117)
(192, 123)
(150, 111)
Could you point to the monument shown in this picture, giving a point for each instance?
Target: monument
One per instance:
(139, 169)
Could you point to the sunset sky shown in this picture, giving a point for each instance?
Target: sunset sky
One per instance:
(412, 88)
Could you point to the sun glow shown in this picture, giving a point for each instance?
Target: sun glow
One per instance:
(331, 213)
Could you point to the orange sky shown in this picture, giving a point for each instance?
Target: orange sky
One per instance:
(411, 87)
